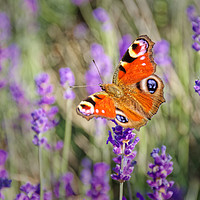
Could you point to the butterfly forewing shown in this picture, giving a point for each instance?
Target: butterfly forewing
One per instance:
(136, 64)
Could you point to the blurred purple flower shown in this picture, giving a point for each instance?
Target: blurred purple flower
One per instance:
(18, 94)
(44, 89)
(59, 145)
(32, 192)
(124, 43)
(160, 169)
(44, 118)
(79, 2)
(161, 53)
(139, 196)
(127, 137)
(32, 5)
(103, 63)
(4, 28)
(9, 63)
(86, 174)
(67, 79)
(80, 30)
(4, 181)
(195, 21)
(66, 182)
(197, 87)
(99, 182)
(100, 15)
(43, 121)
(3, 158)
(178, 193)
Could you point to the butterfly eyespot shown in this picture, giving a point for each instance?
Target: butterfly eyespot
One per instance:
(121, 119)
(152, 85)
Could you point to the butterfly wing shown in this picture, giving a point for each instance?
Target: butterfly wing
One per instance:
(137, 63)
(140, 102)
(97, 105)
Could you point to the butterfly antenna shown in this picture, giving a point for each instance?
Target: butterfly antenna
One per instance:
(81, 86)
(98, 70)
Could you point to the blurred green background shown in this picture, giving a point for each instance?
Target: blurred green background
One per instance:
(47, 42)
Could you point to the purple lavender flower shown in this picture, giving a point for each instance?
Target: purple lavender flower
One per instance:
(67, 79)
(79, 2)
(105, 67)
(66, 182)
(43, 120)
(4, 27)
(18, 94)
(44, 89)
(100, 15)
(29, 191)
(99, 182)
(195, 20)
(161, 53)
(124, 43)
(3, 158)
(197, 87)
(80, 30)
(8, 55)
(160, 169)
(86, 174)
(4, 181)
(32, 5)
(123, 137)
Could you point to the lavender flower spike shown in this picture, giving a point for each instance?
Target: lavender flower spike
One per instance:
(67, 79)
(195, 20)
(99, 182)
(123, 137)
(197, 86)
(161, 168)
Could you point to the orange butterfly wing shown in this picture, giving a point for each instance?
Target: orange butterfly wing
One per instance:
(137, 63)
(97, 105)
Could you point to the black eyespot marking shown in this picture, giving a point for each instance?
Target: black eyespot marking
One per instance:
(90, 100)
(127, 58)
(152, 85)
(122, 68)
(121, 119)
(97, 97)
(134, 46)
(138, 86)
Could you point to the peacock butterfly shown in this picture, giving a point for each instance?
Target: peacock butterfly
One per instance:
(135, 93)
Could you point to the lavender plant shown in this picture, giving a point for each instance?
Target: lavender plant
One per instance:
(195, 21)
(98, 181)
(124, 142)
(159, 170)
(5, 182)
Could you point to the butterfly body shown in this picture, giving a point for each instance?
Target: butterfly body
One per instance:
(136, 92)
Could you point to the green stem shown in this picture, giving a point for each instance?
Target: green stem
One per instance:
(41, 173)
(67, 139)
(122, 166)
